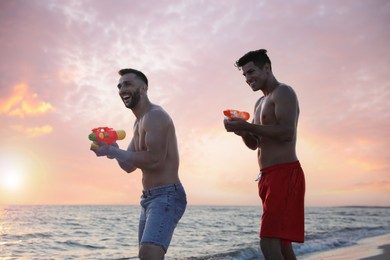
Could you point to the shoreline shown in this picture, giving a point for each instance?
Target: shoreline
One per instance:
(372, 248)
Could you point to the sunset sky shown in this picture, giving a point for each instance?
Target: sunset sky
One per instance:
(58, 77)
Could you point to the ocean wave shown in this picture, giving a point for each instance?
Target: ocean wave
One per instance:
(249, 253)
(348, 237)
(28, 236)
(71, 243)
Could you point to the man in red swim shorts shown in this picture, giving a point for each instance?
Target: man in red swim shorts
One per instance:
(273, 132)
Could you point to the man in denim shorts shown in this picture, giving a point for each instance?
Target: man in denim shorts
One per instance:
(153, 149)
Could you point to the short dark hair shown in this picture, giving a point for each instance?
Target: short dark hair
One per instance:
(138, 73)
(258, 57)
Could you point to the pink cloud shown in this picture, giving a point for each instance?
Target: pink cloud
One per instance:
(33, 131)
(22, 103)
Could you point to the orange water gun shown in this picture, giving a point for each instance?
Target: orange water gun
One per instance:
(106, 135)
(231, 113)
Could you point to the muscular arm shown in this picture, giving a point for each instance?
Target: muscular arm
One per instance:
(156, 126)
(127, 167)
(250, 140)
(286, 114)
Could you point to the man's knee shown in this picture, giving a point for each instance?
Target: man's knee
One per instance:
(151, 252)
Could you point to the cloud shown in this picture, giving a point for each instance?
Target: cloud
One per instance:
(33, 131)
(39, 131)
(376, 186)
(333, 54)
(22, 103)
(381, 185)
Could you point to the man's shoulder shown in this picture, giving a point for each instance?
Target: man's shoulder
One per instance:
(158, 111)
(157, 114)
(283, 90)
(259, 101)
(284, 87)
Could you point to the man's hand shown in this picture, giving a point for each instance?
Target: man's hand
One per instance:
(238, 126)
(235, 125)
(102, 148)
(114, 145)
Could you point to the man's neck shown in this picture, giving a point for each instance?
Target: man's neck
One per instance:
(270, 86)
(142, 107)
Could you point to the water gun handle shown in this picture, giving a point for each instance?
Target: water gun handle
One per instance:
(94, 146)
(231, 113)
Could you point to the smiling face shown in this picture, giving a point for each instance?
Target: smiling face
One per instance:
(254, 76)
(130, 89)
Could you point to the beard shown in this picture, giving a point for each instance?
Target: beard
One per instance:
(135, 98)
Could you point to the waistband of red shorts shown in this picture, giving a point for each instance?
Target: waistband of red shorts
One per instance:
(281, 166)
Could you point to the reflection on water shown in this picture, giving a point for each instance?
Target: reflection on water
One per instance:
(110, 232)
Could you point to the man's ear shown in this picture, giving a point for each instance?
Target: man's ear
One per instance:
(267, 67)
(144, 88)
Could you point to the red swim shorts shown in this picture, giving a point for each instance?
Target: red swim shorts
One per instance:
(282, 191)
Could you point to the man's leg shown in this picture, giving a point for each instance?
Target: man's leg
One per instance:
(151, 252)
(271, 248)
(287, 250)
(274, 248)
(164, 209)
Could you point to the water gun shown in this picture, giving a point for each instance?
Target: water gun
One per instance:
(231, 113)
(105, 134)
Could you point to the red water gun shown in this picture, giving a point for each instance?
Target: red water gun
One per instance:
(106, 135)
(231, 113)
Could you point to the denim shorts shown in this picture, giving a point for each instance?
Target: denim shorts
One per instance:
(161, 209)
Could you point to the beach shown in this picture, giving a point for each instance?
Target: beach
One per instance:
(374, 248)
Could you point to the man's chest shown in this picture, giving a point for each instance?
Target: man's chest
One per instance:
(139, 137)
(265, 112)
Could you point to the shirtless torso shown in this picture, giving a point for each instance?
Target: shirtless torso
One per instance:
(271, 110)
(155, 143)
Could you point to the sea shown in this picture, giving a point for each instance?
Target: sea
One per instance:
(204, 232)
